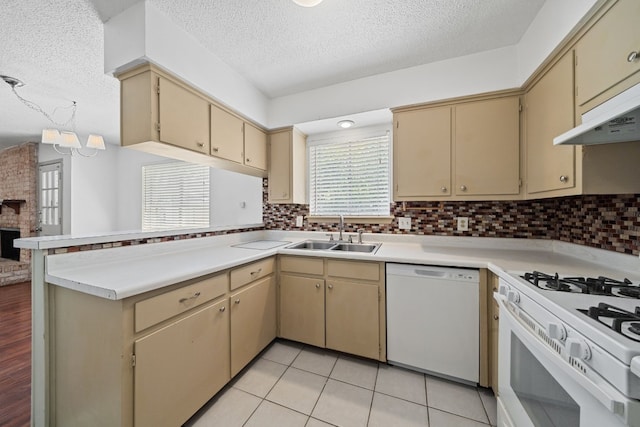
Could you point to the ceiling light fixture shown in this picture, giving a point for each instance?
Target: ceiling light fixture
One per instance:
(307, 3)
(346, 124)
(65, 139)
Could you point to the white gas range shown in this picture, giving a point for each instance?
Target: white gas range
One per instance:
(569, 350)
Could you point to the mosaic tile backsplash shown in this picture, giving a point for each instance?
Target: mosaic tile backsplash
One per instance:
(605, 221)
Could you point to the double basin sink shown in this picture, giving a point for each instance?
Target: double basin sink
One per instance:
(316, 245)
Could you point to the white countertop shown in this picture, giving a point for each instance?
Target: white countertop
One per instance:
(118, 273)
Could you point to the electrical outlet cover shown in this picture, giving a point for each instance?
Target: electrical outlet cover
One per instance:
(404, 223)
(463, 224)
(299, 220)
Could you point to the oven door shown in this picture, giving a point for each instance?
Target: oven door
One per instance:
(537, 388)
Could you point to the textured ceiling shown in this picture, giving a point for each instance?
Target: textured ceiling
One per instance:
(283, 48)
(56, 47)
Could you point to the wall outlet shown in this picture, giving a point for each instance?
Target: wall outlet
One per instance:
(299, 220)
(404, 223)
(463, 224)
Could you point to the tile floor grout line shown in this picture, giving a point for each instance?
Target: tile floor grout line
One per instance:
(373, 394)
(426, 398)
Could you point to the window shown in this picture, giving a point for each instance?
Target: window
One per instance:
(175, 195)
(350, 178)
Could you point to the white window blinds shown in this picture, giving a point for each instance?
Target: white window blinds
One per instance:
(350, 178)
(175, 195)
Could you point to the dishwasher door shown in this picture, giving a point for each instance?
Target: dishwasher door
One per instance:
(433, 320)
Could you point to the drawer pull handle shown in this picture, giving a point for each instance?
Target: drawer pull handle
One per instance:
(222, 309)
(253, 273)
(237, 301)
(633, 56)
(194, 296)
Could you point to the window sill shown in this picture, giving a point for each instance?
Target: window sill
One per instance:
(352, 219)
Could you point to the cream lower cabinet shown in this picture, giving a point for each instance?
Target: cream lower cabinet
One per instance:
(179, 367)
(155, 358)
(334, 304)
(352, 318)
(253, 321)
(302, 309)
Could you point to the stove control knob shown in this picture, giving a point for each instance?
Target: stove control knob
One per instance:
(578, 349)
(513, 296)
(503, 289)
(556, 331)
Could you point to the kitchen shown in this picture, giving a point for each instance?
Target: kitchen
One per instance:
(428, 214)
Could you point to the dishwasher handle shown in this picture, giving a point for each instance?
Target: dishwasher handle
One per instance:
(429, 273)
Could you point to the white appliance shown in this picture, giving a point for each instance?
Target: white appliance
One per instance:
(616, 120)
(433, 320)
(567, 357)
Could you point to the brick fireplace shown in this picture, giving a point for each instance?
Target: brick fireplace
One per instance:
(18, 209)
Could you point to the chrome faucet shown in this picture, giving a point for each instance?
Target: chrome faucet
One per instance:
(341, 226)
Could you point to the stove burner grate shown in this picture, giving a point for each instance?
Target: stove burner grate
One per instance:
(624, 322)
(587, 285)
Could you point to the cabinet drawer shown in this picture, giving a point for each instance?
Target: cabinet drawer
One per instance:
(247, 274)
(302, 265)
(354, 270)
(155, 310)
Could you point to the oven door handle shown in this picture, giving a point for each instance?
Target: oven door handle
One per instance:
(613, 400)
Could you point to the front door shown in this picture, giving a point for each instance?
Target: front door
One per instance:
(50, 199)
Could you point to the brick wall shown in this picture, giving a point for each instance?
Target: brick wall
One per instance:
(18, 181)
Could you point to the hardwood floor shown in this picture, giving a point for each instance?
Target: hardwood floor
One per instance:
(15, 355)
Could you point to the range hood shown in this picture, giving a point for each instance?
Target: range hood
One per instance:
(617, 120)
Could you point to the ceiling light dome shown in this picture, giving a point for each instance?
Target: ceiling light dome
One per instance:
(307, 3)
(346, 124)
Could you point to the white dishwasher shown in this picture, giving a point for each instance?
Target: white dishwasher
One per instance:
(433, 320)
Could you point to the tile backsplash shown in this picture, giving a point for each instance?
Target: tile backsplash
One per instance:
(605, 221)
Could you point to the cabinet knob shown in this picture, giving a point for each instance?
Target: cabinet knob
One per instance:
(318, 285)
(200, 144)
(564, 178)
(222, 309)
(496, 317)
(633, 56)
(463, 188)
(443, 189)
(248, 160)
(215, 149)
(237, 301)
(330, 286)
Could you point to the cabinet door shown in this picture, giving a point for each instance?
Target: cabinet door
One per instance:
(255, 147)
(226, 135)
(280, 167)
(253, 321)
(602, 54)
(352, 312)
(422, 153)
(181, 366)
(487, 147)
(302, 309)
(184, 117)
(549, 112)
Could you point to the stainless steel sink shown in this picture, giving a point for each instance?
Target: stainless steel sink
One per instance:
(313, 245)
(356, 247)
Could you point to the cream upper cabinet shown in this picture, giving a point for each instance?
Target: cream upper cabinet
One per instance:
(227, 135)
(548, 113)
(287, 167)
(255, 147)
(179, 367)
(183, 117)
(608, 54)
(422, 153)
(487, 147)
(253, 321)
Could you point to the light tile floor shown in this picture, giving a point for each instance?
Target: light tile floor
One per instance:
(301, 386)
